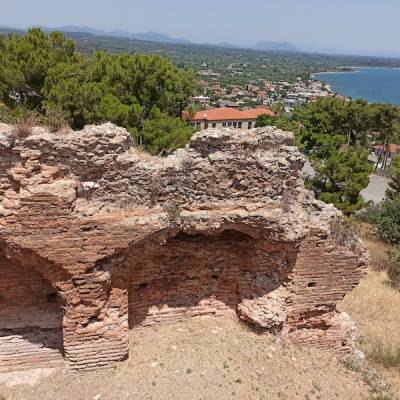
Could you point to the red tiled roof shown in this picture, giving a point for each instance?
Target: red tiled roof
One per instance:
(256, 112)
(228, 114)
(393, 148)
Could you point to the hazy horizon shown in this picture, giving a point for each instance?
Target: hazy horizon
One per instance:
(364, 27)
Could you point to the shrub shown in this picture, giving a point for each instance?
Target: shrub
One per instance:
(386, 220)
(369, 213)
(387, 354)
(162, 133)
(23, 128)
(55, 119)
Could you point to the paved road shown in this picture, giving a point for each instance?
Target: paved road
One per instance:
(376, 189)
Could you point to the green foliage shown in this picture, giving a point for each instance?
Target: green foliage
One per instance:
(265, 120)
(386, 120)
(340, 177)
(394, 185)
(164, 133)
(123, 88)
(25, 62)
(335, 135)
(282, 122)
(350, 120)
(44, 73)
(385, 219)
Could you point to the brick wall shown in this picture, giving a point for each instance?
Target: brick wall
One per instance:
(199, 275)
(30, 318)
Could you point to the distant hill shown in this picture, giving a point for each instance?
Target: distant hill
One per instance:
(267, 45)
(148, 36)
(159, 37)
(227, 45)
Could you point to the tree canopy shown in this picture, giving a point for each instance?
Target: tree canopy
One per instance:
(336, 135)
(44, 72)
(394, 184)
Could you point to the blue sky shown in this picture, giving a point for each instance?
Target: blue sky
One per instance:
(351, 26)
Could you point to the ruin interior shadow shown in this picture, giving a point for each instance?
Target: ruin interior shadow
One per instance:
(193, 275)
(30, 318)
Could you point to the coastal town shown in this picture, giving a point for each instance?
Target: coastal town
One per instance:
(232, 105)
(255, 93)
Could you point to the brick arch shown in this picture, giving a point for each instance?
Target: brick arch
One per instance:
(175, 274)
(31, 313)
(55, 274)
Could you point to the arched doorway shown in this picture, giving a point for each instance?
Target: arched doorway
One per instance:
(30, 318)
(193, 275)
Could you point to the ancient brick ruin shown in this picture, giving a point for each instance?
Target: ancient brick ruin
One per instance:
(97, 237)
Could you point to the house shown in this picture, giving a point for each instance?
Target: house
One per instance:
(262, 95)
(236, 90)
(252, 88)
(227, 117)
(205, 100)
(389, 150)
(223, 103)
(203, 85)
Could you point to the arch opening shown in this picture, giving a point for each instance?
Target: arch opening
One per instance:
(31, 317)
(195, 275)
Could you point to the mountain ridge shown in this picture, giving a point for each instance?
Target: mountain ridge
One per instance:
(160, 37)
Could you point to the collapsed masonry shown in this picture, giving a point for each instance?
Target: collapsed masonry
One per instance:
(97, 238)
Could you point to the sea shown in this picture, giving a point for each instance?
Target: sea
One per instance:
(376, 85)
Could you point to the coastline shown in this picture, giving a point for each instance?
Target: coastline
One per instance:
(372, 84)
(353, 71)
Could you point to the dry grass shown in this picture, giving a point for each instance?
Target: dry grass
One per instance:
(375, 306)
(377, 248)
(23, 128)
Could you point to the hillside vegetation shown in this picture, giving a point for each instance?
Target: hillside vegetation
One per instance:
(43, 76)
(336, 136)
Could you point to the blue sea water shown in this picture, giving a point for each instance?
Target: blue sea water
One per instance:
(377, 85)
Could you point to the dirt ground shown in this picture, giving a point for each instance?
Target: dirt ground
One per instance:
(206, 358)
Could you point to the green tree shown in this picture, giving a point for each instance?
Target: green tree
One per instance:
(335, 134)
(164, 133)
(386, 220)
(26, 60)
(386, 123)
(330, 116)
(282, 122)
(394, 185)
(340, 178)
(124, 88)
(44, 73)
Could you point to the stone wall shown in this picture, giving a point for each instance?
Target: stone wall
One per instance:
(110, 238)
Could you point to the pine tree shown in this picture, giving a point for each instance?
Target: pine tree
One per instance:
(394, 185)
